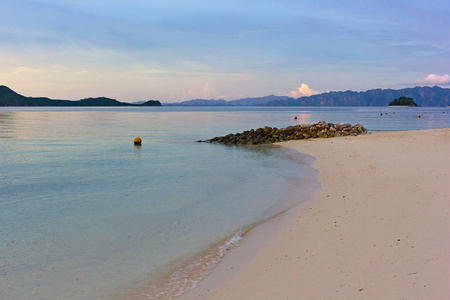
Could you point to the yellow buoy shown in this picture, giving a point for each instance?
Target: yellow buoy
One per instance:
(137, 141)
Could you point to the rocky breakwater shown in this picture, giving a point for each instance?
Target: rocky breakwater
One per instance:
(268, 135)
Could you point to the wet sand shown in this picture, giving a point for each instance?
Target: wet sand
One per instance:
(378, 229)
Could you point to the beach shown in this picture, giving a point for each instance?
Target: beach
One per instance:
(377, 229)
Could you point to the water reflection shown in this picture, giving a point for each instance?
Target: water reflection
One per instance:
(7, 121)
(137, 151)
(304, 118)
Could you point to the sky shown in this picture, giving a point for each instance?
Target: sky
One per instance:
(175, 50)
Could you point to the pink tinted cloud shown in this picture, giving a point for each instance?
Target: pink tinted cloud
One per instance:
(437, 79)
(25, 70)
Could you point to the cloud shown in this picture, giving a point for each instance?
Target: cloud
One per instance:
(198, 92)
(437, 79)
(303, 90)
(25, 70)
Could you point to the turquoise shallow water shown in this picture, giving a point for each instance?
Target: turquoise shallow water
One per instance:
(86, 215)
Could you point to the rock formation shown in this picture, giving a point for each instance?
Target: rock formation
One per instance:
(268, 135)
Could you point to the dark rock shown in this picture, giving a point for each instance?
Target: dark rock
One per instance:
(269, 135)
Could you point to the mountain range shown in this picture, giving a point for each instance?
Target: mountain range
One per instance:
(10, 98)
(423, 96)
(239, 102)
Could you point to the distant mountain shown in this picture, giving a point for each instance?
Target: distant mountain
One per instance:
(423, 96)
(239, 102)
(258, 100)
(10, 98)
(200, 102)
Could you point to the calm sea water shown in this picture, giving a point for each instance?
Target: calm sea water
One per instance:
(86, 215)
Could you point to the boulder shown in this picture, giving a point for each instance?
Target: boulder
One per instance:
(267, 135)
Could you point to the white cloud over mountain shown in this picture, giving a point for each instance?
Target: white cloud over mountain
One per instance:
(437, 79)
(303, 90)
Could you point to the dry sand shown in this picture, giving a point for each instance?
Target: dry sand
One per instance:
(378, 229)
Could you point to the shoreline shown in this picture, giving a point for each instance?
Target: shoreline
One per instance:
(194, 269)
(376, 230)
(191, 270)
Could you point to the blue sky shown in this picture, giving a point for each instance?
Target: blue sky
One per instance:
(178, 50)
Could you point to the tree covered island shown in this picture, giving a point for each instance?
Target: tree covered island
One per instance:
(403, 101)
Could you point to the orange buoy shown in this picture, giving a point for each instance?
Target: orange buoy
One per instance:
(137, 141)
(418, 116)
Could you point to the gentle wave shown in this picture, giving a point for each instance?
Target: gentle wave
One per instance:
(187, 277)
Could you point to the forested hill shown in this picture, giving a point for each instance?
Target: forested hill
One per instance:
(10, 98)
(423, 96)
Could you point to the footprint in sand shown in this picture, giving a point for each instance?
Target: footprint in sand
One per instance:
(432, 260)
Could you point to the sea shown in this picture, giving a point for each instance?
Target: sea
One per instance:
(86, 214)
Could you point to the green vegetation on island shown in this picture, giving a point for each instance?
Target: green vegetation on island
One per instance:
(403, 101)
(10, 98)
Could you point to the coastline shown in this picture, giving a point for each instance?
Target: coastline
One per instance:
(186, 273)
(376, 230)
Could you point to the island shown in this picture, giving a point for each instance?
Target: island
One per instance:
(403, 101)
(10, 98)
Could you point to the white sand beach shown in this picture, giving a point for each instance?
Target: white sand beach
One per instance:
(378, 229)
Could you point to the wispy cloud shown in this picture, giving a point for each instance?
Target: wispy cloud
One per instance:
(303, 90)
(202, 91)
(25, 70)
